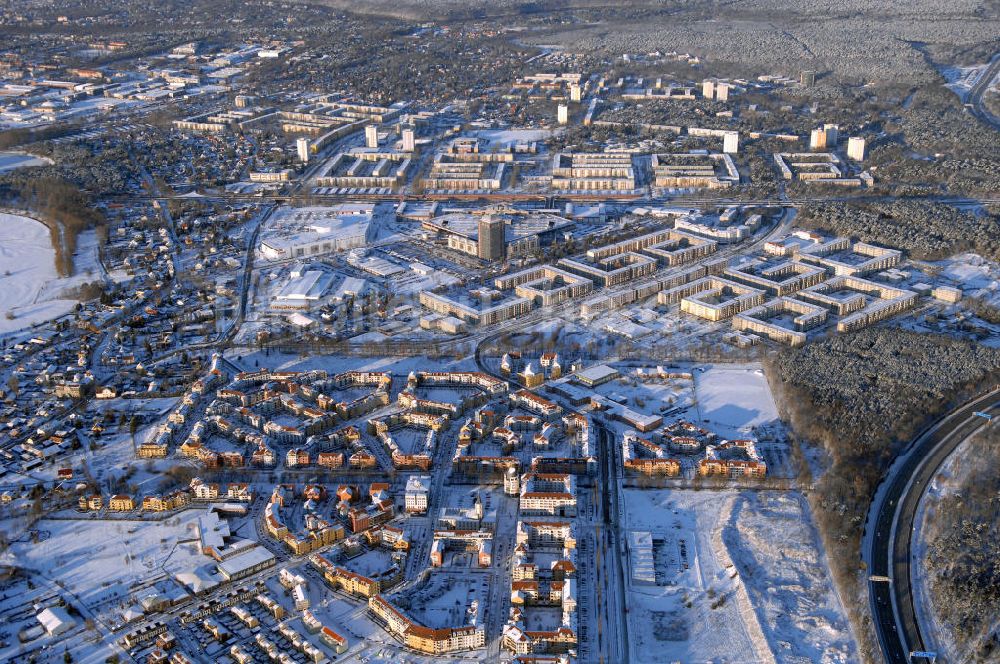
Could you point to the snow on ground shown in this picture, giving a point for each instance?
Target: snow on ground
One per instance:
(399, 366)
(949, 479)
(961, 80)
(29, 284)
(508, 136)
(733, 400)
(696, 614)
(11, 160)
(739, 575)
(777, 553)
(98, 560)
(975, 275)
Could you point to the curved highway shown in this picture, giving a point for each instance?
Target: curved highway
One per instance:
(891, 527)
(974, 101)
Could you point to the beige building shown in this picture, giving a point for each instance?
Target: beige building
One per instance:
(713, 298)
(599, 171)
(805, 317)
(856, 148)
(545, 285)
(708, 171)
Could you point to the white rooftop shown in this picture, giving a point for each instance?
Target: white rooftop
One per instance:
(244, 561)
(55, 620)
(597, 373)
(311, 285)
(418, 484)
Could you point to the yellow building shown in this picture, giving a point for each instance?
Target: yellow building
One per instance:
(93, 502)
(152, 451)
(121, 503)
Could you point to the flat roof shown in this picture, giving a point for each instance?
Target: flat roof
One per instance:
(597, 373)
(245, 561)
(311, 284)
(418, 483)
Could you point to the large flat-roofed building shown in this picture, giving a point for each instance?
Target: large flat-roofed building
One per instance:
(713, 298)
(694, 170)
(367, 167)
(776, 277)
(355, 109)
(478, 308)
(498, 233)
(612, 270)
(670, 247)
(315, 231)
(447, 175)
(466, 166)
(245, 564)
(305, 289)
(784, 320)
(819, 167)
(859, 301)
(222, 120)
(597, 375)
(593, 171)
(545, 285)
(844, 258)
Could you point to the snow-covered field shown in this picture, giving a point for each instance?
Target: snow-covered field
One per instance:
(733, 400)
(677, 621)
(99, 561)
(776, 550)
(11, 160)
(975, 275)
(29, 286)
(740, 576)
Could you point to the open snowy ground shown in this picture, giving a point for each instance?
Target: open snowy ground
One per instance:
(11, 160)
(733, 400)
(99, 560)
(772, 542)
(961, 80)
(975, 275)
(739, 578)
(30, 288)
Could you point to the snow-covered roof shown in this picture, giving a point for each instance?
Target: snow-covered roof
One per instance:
(244, 561)
(55, 620)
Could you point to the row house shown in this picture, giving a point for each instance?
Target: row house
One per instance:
(171, 501)
(424, 639)
(535, 403)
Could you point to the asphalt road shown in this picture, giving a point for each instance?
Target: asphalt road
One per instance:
(975, 98)
(889, 551)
